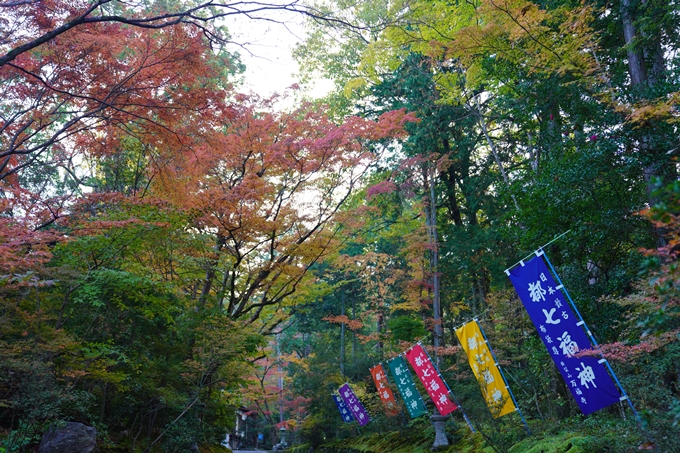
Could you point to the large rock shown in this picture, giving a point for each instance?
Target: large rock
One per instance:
(70, 438)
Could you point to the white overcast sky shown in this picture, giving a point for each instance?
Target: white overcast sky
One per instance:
(266, 52)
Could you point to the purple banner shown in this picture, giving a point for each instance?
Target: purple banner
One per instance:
(354, 405)
(560, 330)
(342, 408)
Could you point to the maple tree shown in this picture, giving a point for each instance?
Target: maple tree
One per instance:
(267, 191)
(81, 93)
(76, 75)
(155, 223)
(73, 93)
(127, 162)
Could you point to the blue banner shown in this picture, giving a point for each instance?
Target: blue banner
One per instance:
(342, 408)
(560, 330)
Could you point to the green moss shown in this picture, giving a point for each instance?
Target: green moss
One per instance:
(565, 443)
(214, 449)
(576, 435)
(408, 441)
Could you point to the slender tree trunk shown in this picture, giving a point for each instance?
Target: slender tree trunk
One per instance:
(354, 337)
(210, 272)
(342, 335)
(494, 150)
(636, 61)
(437, 419)
(102, 409)
(436, 301)
(280, 375)
(637, 69)
(151, 423)
(186, 409)
(450, 183)
(379, 329)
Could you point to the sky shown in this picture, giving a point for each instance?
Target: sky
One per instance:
(265, 48)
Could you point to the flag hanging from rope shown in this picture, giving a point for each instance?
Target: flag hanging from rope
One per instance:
(485, 369)
(429, 376)
(561, 332)
(407, 387)
(384, 391)
(342, 408)
(354, 405)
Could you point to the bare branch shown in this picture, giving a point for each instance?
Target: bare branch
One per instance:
(252, 10)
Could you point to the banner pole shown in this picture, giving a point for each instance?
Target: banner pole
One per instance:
(507, 271)
(507, 384)
(455, 400)
(541, 252)
(470, 319)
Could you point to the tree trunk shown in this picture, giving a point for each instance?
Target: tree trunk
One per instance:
(210, 272)
(436, 418)
(449, 179)
(636, 61)
(637, 70)
(342, 335)
(102, 409)
(354, 336)
(494, 150)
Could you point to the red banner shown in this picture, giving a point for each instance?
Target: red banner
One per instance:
(386, 395)
(430, 378)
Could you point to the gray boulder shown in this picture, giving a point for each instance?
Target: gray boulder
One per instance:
(70, 438)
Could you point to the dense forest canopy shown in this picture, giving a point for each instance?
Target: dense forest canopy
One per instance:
(172, 250)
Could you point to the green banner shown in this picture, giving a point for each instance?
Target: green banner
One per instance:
(407, 387)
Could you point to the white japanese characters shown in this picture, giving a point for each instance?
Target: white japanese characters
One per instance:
(562, 333)
(344, 412)
(586, 375)
(428, 375)
(406, 387)
(385, 393)
(568, 346)
(536, 293)
(549, 316)
(354, 405)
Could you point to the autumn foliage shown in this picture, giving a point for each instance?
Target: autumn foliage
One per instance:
(155, 223)
(158, 229)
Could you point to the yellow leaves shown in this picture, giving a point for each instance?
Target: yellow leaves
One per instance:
(411, 304)
(379, 58)
(475, 75)
(451, 84)
(111, 377)
(649, 111)
(469, 35)
(521, 32)
(302, 363)
(354, 85)
(95, 363)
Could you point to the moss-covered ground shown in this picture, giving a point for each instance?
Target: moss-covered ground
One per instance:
(561, 438)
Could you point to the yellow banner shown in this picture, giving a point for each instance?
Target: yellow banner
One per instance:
(484, 367)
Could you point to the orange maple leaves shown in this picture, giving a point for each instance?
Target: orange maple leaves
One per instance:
(267, 186)
(85, 89)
